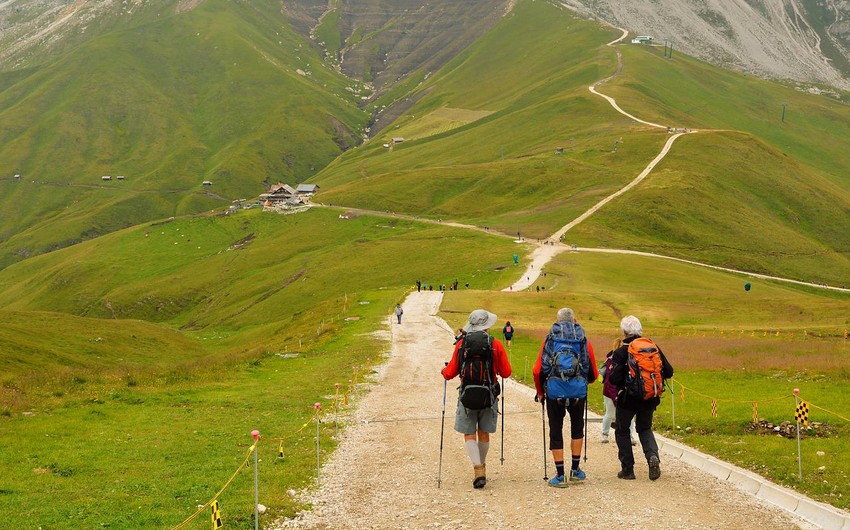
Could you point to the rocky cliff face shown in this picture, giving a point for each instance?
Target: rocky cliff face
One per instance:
(382, 41)
(801, 40)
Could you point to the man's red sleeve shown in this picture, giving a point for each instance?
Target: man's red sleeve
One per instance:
(500, 359)
(453, 368)
(538, 367)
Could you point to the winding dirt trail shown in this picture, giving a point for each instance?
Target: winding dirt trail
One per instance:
(383, 474)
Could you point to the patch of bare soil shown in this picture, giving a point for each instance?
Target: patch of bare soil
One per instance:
(187, 5)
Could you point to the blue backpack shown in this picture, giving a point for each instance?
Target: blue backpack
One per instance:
(566, 363)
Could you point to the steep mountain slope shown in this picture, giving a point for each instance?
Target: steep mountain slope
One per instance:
(224, 92)
(524, 147)
(803, 40)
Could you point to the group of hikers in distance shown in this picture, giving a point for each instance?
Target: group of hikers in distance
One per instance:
(633, 376)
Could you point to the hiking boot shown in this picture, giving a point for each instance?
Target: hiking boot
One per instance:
(577, 474)
(480, 476)
(605, 438)
(654, 467)
(558, 482)
(626, 474)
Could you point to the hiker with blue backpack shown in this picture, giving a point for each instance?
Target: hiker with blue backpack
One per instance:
(564, 368)
(479, 359)
(638, 370)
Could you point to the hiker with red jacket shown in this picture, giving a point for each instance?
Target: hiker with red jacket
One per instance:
(564, 367)
(478, 359)
(638, 370)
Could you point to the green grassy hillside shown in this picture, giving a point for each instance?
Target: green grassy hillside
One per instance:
(502, 166)
(246, 278)
(162, 343)
(685, 92)
(224, 92)
(707, 201)
(138, 354)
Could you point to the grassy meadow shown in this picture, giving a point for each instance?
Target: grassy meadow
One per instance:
(136, 365)
(168, 103)
(142, 341)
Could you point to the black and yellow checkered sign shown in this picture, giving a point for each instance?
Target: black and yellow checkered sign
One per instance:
(280, 450)
(216, 515)
(713, 408)
(802, 413)
(755, 412)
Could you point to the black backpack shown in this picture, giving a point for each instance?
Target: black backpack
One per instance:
(478, 386)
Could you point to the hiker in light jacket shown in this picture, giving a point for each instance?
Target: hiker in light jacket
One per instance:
(565, 396)
(477, 424)
(629, 407)
(398, 312)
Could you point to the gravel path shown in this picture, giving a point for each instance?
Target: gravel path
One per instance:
(384, 473)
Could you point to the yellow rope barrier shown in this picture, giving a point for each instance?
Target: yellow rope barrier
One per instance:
(203, 508)
(825, 410)
(251, 450)
(753, 403)
(721, 400)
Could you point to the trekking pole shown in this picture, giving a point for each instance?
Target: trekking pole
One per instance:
(442, 427)
(585, 428)
(543, 419)
(502, 455)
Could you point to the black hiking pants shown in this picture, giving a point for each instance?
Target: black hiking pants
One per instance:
(557, 409)
(643, 424)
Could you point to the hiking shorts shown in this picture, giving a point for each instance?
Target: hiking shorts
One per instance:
(557, 409)
(469, 421)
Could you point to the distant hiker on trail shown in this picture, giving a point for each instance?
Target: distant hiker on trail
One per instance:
(508, 332)
(418, 286)
(479, 359)
(609, 396)
(398, 312)
(638, 370)
(563, 370)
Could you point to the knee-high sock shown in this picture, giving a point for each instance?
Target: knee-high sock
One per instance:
(472, 450)
(483, 447)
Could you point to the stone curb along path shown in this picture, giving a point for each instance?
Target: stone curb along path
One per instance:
(383, 474)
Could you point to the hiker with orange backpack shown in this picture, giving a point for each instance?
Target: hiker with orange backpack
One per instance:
(562, 372)
(478, 359)
(638, 370)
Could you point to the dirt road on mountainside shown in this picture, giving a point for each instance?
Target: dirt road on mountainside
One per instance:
(384, 473)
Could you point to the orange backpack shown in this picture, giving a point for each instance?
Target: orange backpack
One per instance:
(644, 381)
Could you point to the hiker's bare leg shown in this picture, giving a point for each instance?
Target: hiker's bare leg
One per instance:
(575, 446)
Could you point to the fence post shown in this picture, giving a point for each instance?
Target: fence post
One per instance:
(799, 454)
(336, 412)
(256, 434)
(318, 407)
(673, 403)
